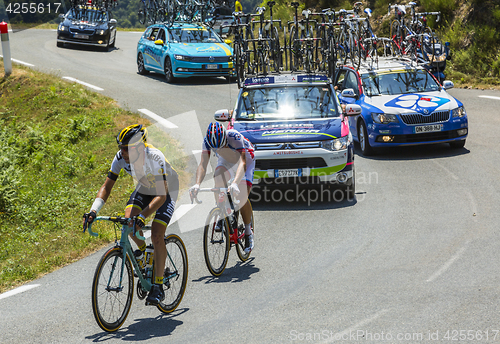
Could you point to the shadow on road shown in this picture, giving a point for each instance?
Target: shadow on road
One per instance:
(191, 81)
(240, 272)
(143, 329)
(421, 152)
(299, 197)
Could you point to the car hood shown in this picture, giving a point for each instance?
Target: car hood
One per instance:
(424, 103)
(292, 131)
(201, 49)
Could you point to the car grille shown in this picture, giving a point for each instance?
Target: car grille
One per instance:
(280, 164)
(414, 138)
(217, 59)
(417, 118)
(82, 31)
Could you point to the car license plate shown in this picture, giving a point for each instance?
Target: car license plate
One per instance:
(295, 172)
(428, 128)
(212, 66)
(77, 35)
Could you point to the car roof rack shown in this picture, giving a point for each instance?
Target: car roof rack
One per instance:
(285, 78)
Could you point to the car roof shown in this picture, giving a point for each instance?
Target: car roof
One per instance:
(181, 25)
(387, 64)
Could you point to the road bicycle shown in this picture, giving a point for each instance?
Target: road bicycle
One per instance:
(148, 12)
(327, 45)
(113, 283)
(222, 231)
(242, 54)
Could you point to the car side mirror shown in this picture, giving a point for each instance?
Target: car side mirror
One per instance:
(222, 115)
(352, 110)
(159, 42)
(448, 84)
(228, 41)
(112, 21)
(348, 93)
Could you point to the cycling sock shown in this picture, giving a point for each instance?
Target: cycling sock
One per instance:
(248, 229)
(143, 247)
(159, 280)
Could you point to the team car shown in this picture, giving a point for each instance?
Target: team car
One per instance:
(402, 104)
(181, 50)
(298, 129)
(86, 25)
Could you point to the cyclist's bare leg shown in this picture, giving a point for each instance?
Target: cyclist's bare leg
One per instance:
(160, 251)
(130, 212)
(246, 208)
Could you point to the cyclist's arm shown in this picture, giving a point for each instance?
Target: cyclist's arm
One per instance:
(105, 189)
(202, 167)
(242, 167)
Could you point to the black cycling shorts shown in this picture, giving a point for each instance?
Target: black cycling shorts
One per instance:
(163, 214)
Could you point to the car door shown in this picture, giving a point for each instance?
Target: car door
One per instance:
(160, 49)
(147, 42)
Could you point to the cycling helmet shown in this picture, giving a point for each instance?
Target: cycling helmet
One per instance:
(132, 135)
(216, 135)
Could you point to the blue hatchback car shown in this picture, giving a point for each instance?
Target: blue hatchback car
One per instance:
(401, 104)
(182, 50)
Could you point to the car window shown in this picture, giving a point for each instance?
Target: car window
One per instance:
(87, 15)
(153, 34)
(399, 82)
(193, 35)
(351, 81)
(161, 35)
(287, 102)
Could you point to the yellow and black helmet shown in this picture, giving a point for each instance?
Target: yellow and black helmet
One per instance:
(132, 135)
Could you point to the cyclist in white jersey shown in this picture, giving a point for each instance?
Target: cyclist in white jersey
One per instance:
(236, 161)
(157, 186)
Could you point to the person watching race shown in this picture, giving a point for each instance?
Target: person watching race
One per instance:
(236, 162)
(157, 186)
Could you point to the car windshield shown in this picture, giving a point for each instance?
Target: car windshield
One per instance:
(286, 102)
(88, 15)
(193, 35)
(401, 82)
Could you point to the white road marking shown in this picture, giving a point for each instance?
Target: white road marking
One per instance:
(20, 62)
(18, 290)
(83, 83)
(490, 97)
(346, 333)
(447, 265)
(158, 119)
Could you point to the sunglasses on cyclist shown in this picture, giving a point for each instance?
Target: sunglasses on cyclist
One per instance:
(123, 148)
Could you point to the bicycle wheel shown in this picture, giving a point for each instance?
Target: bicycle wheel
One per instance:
(216, 243)
(396, 35)
(111, 292)
(240, 64)
(141, 14)
(276, 51)
(175, 274)
(240, 247)
(294, 48)
(332, 56)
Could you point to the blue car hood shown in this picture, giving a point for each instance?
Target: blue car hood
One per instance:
(290, 131)
(201, 49)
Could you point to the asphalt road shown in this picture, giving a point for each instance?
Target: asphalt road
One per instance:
(413, 259)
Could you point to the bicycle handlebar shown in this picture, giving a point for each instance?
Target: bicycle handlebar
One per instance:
(116, 219)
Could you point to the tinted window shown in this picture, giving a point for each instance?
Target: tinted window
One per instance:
(287, 102)
(193, 35)
(393, 83)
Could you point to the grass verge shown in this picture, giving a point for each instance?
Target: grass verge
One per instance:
(57, 141)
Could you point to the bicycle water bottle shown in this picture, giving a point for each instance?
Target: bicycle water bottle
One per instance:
(149, 256)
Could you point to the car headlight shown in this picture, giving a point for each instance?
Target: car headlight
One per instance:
(336, 144)
(230, 58)
(182, 57)
(384, 118)
(63, 28)
(101, 32)
(459, 112)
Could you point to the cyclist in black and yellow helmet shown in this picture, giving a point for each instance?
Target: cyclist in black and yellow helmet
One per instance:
(157, 186)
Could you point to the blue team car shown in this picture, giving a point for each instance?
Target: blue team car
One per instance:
(402, 104)
(182, 50)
